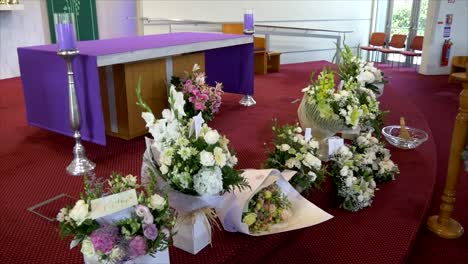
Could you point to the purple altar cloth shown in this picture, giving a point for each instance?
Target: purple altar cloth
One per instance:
(45, 87)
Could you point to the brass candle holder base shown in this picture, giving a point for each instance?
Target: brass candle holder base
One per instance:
(451, 230)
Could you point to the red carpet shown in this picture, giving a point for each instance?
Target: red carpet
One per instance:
(33, 161)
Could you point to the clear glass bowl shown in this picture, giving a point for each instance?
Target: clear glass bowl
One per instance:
(392, 133)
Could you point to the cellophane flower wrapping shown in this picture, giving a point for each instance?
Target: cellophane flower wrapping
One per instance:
(234, 205)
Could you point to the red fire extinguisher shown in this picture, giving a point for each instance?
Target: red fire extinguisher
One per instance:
(446, 52)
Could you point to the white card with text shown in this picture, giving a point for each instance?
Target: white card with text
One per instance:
(113, 203)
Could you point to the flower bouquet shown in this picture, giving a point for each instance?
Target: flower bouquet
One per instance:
(353, 179)
(198, 95)
(196, 166)
(356, 169)
(353, 67)
(383, 167)
(139, 233)
(372, 117)
(272, 205)
(328, 110)
(292, 151)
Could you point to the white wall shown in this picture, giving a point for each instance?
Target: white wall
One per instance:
(20, 28)
(30, 27)
(112, 18)
(334, 14)
(434, 39)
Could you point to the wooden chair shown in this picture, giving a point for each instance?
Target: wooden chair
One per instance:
(458, 68)
(397, 42)
(377, 40)
(264, 61)
(415, 48)
(460, 76)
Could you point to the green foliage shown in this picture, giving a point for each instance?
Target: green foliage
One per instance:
(140, 101)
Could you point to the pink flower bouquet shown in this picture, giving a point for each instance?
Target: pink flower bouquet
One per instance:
(199, 95)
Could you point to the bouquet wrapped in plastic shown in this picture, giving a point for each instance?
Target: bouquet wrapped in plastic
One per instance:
(195, 165)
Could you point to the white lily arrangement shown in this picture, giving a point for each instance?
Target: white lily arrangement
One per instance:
(358, 167)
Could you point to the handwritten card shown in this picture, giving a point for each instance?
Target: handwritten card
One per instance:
(113, 203)
(334, 143)
(308, 134)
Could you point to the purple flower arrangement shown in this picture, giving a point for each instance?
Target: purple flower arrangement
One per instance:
(145, 230)
(200, 96)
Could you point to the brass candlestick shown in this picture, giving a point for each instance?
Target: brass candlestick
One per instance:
(80, 164)
(443, 225)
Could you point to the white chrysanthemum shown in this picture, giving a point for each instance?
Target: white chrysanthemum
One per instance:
(208, 181)
(166, 157)
(219, 157)
(206, 158)
(211, 137)
(184, 153)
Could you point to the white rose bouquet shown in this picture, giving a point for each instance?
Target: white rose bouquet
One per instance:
(140, 233)
(291, 151)
(196, 166)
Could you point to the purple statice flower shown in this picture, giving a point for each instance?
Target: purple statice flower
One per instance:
(137, 247)
(105, 238)
(150, 231)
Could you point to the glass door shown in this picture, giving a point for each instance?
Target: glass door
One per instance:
(407, 17)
